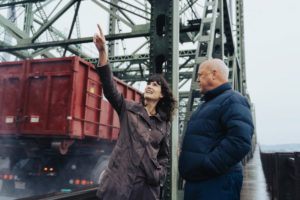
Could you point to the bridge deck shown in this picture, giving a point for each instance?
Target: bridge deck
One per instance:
(254, 185)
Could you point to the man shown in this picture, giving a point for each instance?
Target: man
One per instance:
(217, 138)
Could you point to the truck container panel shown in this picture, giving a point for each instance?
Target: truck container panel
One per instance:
(62, 120)
(57, 96)
(11, 83)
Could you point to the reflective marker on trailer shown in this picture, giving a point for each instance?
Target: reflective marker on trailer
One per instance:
(34, 118)
(9, 119)
(66, 190)
(83, 182)
(71, 181)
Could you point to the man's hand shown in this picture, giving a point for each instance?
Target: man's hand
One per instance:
(99, 41)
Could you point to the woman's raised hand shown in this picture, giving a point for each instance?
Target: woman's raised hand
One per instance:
(99, 41)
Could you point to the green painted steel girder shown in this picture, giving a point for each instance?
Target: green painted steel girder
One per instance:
(134, 34)
(129, 76)
(50, 22)
(19, 2)
(141, 57)
(12, 29)
(19, 54)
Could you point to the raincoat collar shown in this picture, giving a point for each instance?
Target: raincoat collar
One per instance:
(139, 109)
(215, 92)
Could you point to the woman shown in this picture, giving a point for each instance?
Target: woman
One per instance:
(137, 165)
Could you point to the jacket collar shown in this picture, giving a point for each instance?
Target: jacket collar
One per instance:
(139, 109)
(216, 92)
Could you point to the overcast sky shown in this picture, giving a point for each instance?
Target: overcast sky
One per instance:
(272, 34)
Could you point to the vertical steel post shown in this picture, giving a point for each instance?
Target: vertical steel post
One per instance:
(164, 55)
(175, 79)
(28, 20)
(11, 16)
(112, 30)
(240, 41)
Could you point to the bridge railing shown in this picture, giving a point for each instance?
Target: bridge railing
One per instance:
(282, 173)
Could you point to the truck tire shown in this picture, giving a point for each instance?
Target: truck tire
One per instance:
(99, 169)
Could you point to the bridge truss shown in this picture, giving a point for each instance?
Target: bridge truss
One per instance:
(144, 37)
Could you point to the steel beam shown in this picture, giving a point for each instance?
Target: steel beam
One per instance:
(76, 50)
(44, 5)
(130, 75)
(119, 7)
(129, 24)
(175, 80)
(142, 57)
(19, 2)
(12, 29)
(134, 7)
(50, 22)
(112, 29)
(186, 7)
(240, 40)
(20, 54)
(28, 20)
(229, 45)
(72, 25)
(134, 34)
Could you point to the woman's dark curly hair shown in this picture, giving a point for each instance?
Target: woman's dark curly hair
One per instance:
(167, 104)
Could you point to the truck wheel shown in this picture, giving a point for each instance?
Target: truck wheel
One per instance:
(99, 169)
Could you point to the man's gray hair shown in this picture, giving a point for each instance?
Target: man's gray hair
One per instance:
(219, 65)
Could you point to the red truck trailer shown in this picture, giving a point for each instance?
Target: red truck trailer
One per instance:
(56, 127)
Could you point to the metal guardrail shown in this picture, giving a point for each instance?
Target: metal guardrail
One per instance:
(80, 194)
(282, 173)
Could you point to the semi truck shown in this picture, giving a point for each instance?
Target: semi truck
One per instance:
(57, 129)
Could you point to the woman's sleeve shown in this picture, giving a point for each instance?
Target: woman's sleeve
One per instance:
(163, 155)
(113, 95)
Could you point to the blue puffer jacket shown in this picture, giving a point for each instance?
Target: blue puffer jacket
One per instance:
(218, 135)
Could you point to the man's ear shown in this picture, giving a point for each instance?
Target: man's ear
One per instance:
(214, 72)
